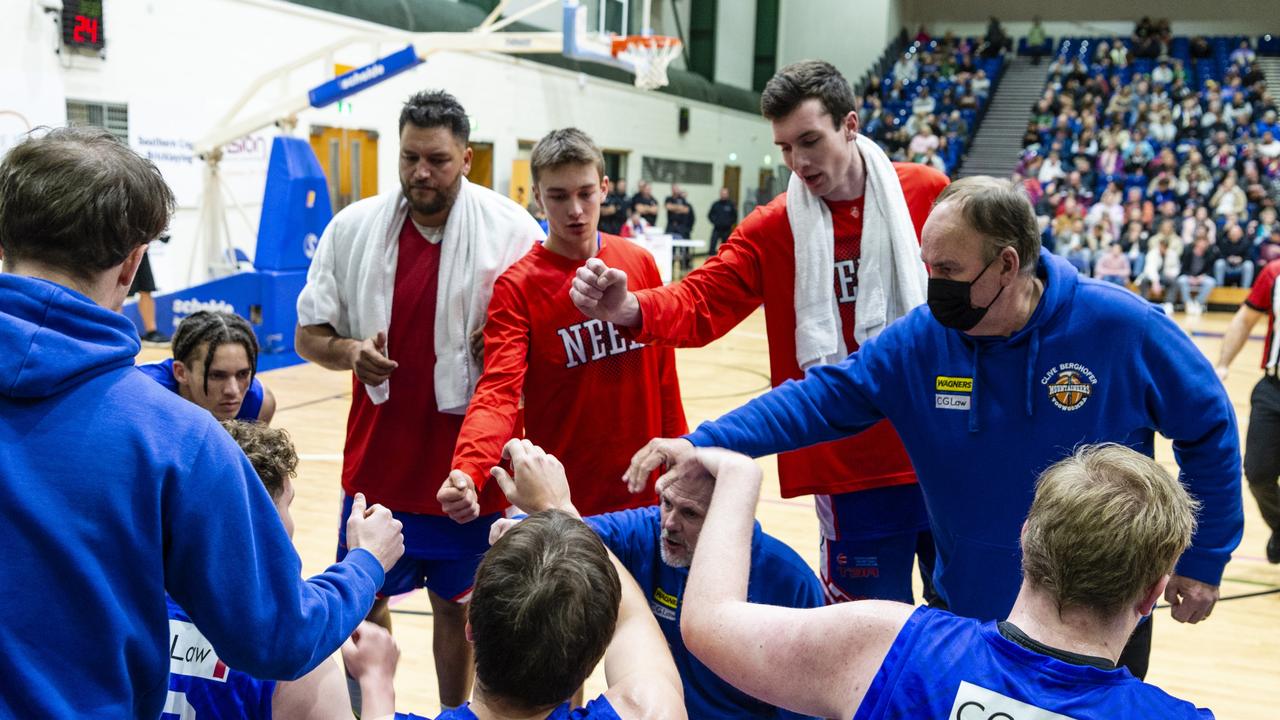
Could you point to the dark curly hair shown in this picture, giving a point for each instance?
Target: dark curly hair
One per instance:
(269, 450)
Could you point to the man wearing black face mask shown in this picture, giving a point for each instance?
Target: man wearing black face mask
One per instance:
(1016, 361)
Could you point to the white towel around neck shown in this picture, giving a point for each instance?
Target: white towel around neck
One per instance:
(891, 276)
(352, 277)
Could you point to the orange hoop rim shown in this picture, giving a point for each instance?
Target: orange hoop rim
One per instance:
(622, 43)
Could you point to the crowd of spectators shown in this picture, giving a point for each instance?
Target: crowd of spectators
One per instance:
(927, 106)
(1155, 160)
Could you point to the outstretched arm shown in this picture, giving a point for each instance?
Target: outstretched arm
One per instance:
(831, 653)
(706, 304)
(1237, 333)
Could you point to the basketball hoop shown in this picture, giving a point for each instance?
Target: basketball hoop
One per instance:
(649, 55)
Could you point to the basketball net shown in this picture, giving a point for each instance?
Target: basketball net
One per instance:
(649, 55)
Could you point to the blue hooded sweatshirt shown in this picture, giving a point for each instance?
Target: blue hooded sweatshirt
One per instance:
(117, 490)
(981, 417)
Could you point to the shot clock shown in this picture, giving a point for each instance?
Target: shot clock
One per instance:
(82, 27)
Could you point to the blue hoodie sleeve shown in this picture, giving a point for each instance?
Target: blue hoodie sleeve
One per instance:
(231, 566)
(1190, 407)
(831, 402)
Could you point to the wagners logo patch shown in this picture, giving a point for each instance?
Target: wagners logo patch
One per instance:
(1070, 385)
(953, 384)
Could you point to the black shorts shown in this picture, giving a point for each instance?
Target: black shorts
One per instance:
(144, 281)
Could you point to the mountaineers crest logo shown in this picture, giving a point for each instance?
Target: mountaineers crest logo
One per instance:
(1070, 385)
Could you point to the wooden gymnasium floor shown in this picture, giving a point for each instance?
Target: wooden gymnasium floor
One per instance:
(1227, 663)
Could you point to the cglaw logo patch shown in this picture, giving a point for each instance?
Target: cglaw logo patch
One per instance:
(978, 703)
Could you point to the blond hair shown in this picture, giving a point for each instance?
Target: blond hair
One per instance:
(1105, 525)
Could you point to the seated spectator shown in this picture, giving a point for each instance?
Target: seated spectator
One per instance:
(1097, 238)
(1268, 146)
(1133, 243)
(923, 144)
(1195, 223)
(890, 660)
(933, 160)
(1268, 123)
(1162, 188)
(1119, 53)
(922, 35)
(1267, 250)
(1107, 212)
(980, 85)
(1239, 111)
(1113, 266)
(1229, 198)
(1195, 174)
(1051, 168)
(215, 366)
(1110, 161)
(1266, 224)
(1081, 166)
(923, 104)
(1032, 135)
(1197, 266)
(1120, 104)
(1163, 130)
(1166, 231)
(1162, 74)
(1145, 209)
(1235, 265)
(1074, 246)
(1186, 116)
(1243, 55)
(1160, 271)
(905, 70)
(196, 691)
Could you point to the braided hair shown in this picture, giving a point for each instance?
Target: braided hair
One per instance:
(215, 329)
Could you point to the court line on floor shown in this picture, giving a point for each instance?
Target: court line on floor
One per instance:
(316, 401)
(320, 457)
(1220, 335)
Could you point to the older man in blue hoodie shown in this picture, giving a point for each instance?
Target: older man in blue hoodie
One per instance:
(118, 490)
(1015, 361)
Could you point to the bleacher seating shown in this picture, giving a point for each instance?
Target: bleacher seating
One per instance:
(941, 71)
(1083, 86)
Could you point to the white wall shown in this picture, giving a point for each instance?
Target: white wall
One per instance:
(169, 60)
(1090, 17)
(735, 42)
(851, 36)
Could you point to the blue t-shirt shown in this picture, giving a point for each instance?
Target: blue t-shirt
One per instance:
(162, 372)
(201, 685)
(778, 577)
(598, 709)
(943, 666)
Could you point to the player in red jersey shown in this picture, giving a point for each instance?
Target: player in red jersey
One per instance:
(537, 343)
(397, 285)
(1262, 446)
(872, 515)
